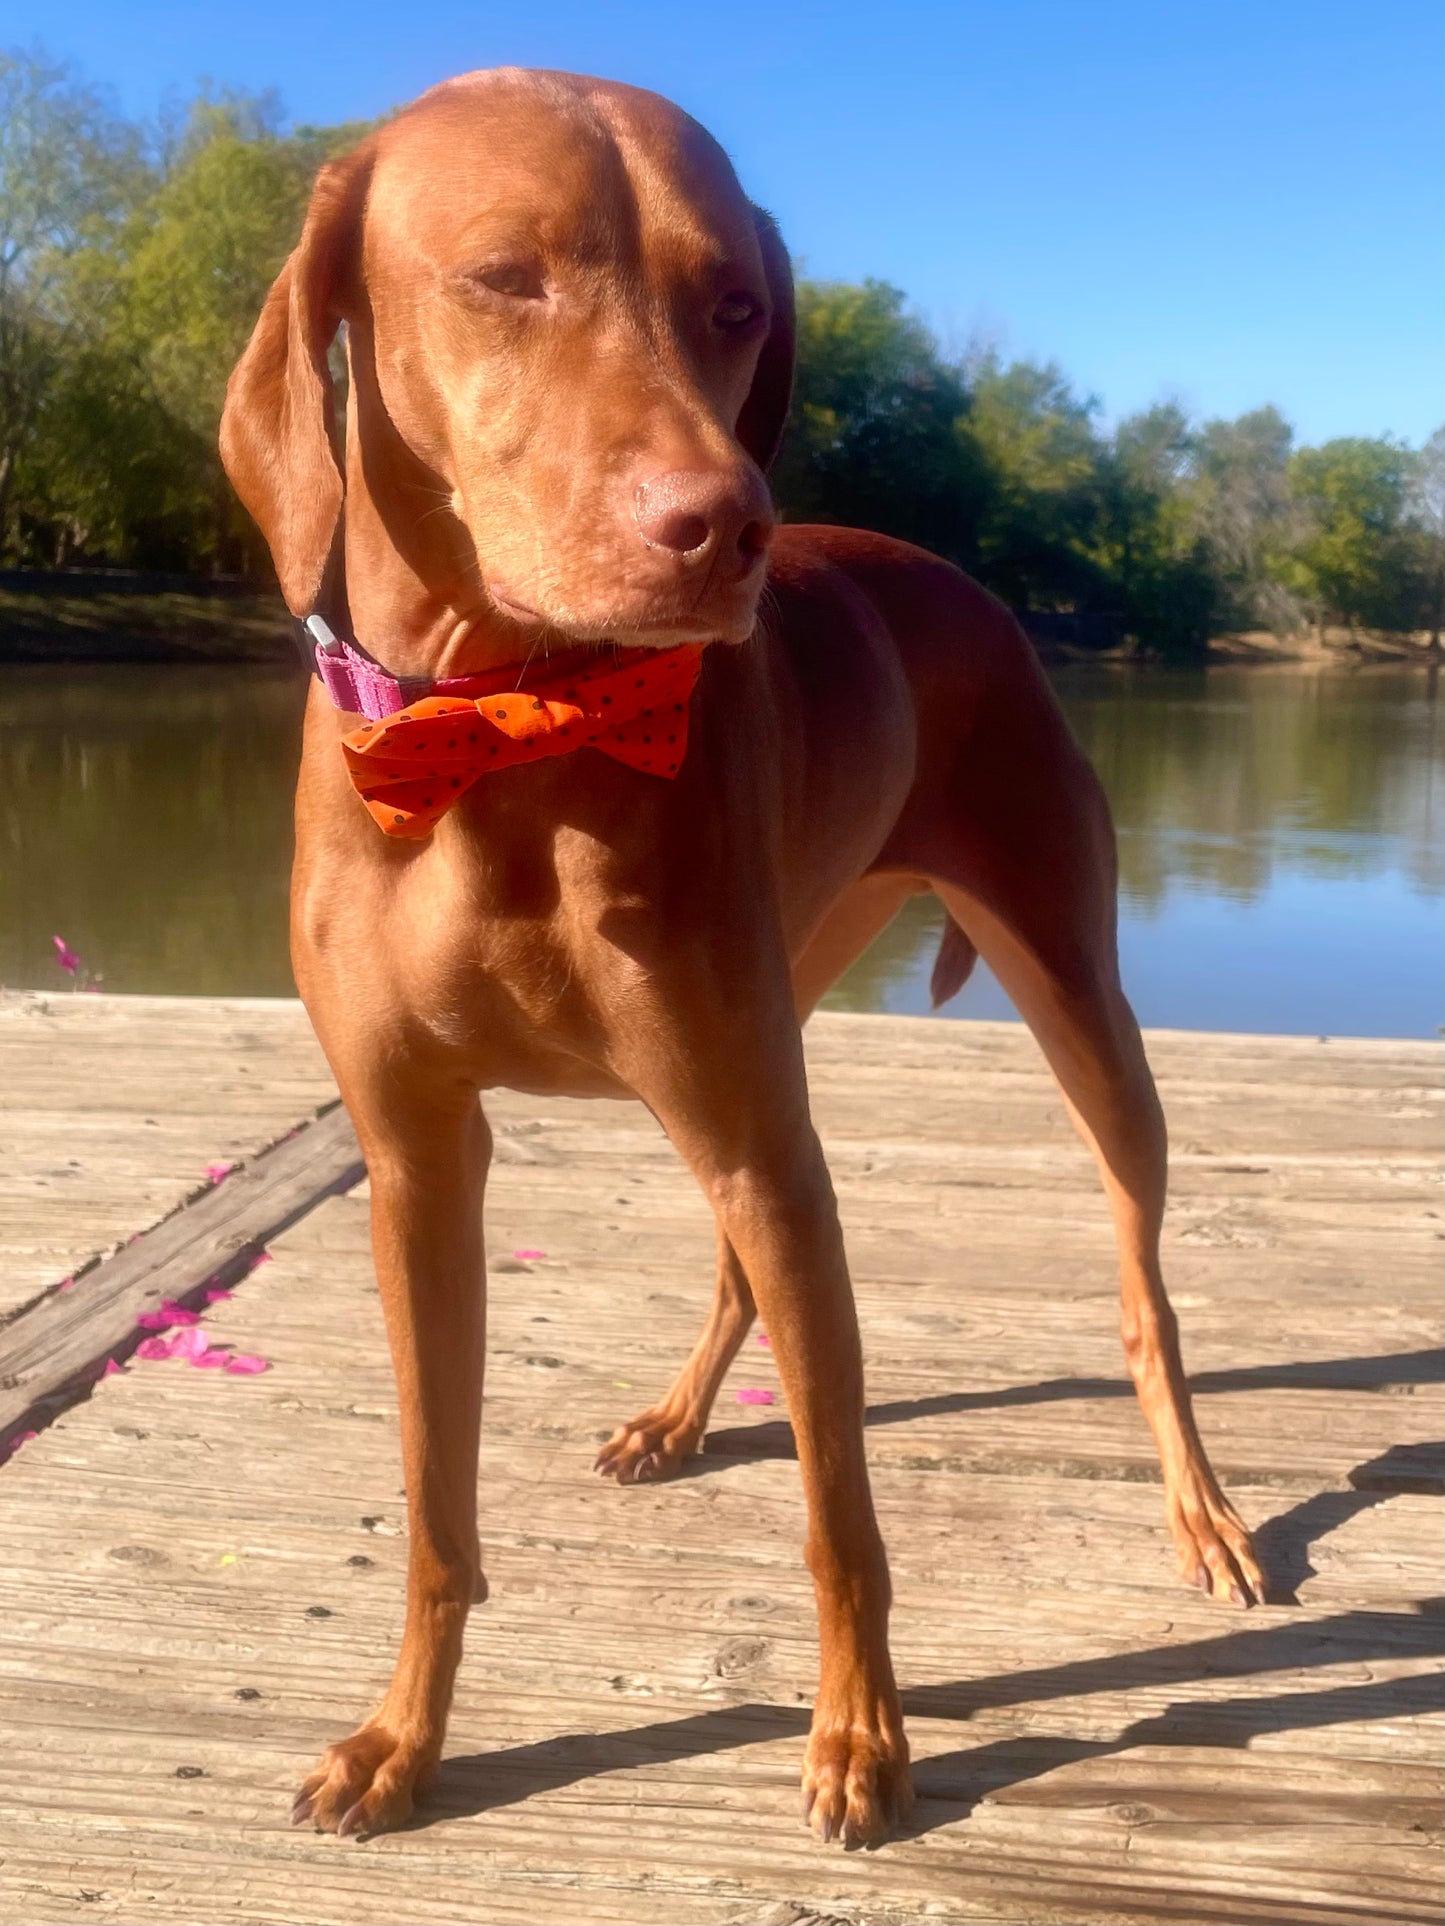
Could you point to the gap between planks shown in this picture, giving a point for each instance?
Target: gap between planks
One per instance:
(55, 1349)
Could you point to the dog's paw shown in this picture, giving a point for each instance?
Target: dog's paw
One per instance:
(856, 1783)
(365, 1784)
(649, 1448)
(1214, 1547)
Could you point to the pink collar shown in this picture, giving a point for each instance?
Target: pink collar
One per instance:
(362, 687)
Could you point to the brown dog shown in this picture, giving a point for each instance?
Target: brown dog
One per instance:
(570, 350)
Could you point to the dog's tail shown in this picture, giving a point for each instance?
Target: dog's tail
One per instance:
(953, 965)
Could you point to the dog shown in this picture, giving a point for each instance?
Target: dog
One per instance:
(569, 342)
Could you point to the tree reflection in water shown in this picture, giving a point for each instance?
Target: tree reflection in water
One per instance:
(1277, 828)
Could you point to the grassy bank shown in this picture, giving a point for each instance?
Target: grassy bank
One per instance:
(120, 618)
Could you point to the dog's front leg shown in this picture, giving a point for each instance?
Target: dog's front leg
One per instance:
(427, 1160)
(751, 1143)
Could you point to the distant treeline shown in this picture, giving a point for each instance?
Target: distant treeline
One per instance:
(133, 263)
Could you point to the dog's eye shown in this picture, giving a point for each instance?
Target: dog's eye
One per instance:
(736, 311)
(516, 279)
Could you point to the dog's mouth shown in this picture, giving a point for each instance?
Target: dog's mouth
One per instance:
(514, 610)
(662, 632)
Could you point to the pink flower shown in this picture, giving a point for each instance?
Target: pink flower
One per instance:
(9, 1446)
(217, 1173)
(165, 1317)
(754, 1394)
(153, 1348)
(65, 956)
(244, 1365)
(528, 1257)
(191, 1343)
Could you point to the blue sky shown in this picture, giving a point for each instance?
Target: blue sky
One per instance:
(1226, 203)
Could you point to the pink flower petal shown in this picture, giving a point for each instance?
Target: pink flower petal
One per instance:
(65, 956)
(765, 1340)
(154, 1348)
(165, 1317)
(215, 1295)
(245, 1365)
(112, 1369)
(9, 1446)
(754, 1394)
(190, 1343)
(66, 1284)
(178, 1313)
(219, 1172)
(261, 1257)
(528, 1257)
(214, 1360)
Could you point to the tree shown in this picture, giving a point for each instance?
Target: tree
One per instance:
(1244, 510)
(1146, 543)
(875, 438)
(1425, 510)
(1036, 443)
(1355, 561)
(69, 171)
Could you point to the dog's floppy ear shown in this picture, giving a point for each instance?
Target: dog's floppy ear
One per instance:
(278, 429)
(765, 412)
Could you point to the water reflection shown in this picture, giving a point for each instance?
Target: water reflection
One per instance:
(1281, 848)
(1281, 839)
(145, 815)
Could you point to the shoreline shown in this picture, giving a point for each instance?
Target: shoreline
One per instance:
(113, 617)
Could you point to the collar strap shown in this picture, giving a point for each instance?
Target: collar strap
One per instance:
(358, 685)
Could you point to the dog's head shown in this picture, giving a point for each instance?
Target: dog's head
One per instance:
(571, 343)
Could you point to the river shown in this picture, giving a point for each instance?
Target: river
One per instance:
(1281, 841)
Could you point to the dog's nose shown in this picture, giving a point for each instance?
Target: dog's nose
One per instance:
(689, 512)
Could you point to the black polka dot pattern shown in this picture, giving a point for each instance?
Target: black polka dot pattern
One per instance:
(413, 772)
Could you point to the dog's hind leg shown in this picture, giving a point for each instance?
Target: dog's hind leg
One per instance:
(1088, 1033)
(1024, 859)
(654, 1444)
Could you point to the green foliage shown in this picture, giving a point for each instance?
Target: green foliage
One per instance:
(878, 431)
(133, 265)
(1361, 560)
(132, 269)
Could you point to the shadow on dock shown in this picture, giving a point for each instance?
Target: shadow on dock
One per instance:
(950, 1785)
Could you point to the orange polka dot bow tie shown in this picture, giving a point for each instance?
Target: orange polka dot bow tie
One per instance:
(410, 766)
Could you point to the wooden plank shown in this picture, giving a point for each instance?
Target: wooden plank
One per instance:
(1094, 1744)
(52, 1351)
(111, 1107)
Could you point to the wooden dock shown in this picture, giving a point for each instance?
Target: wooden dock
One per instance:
(202, 1579)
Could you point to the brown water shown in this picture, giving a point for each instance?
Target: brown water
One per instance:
(1282, 841)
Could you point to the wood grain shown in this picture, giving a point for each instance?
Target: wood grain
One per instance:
(203, 1575)
(61, 1343)
(111, 1107)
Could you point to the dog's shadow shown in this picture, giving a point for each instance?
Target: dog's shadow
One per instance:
(951, 1784)
(1283, 1542)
